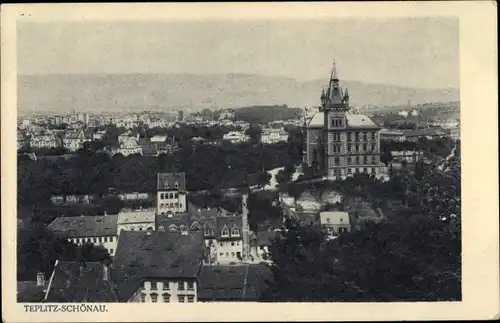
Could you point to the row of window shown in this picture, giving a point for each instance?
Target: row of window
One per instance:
(171, 196)
(337, 122)
(171, 205)
(140, 229)
(181, 285)
(363, 135)
(237, 254)
(166, 298)
(365, 170)
(234, 232)
(233, 243)
(365, 148)
(176, 185)
(357, 161)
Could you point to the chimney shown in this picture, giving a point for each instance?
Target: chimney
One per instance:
(105, 272)
(40, 279)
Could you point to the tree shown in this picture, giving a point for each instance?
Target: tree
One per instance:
(381, 262)
(254, 132)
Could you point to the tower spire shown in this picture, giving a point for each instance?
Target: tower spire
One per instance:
(334, 71)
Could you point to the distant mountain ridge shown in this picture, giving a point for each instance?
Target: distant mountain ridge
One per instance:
(124, 92)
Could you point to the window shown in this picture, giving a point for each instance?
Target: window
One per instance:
(373, 147)
(357, 160)
(357, 136)
(190, 285)
(111, 251)
(143, 297)
(235, 232)
(365, 147)
(357, 148)
(176, 195)
(166, 298)
(209, 232)
(336, 161)
(162, 206)
(327, 220)
(180, 285)
(349, 160)
(336, 137)
(225, 233)
(181, 299)
(176, 185)
(154, 297)
(365, 159)
(232, 243)
(365, 136)
(349, 171)
(111, 239)
(227, 254)
(357, 170)
(132, 229)
(190, 298)
(373, 170)
(166, 285)
(365, 170)
(349, 136)
(221, 254)
(171, 196)
(105, 239)
(162, 196)
(140, 229)
(180, 205)
(349, 148)
(232, 254)
(154, 286)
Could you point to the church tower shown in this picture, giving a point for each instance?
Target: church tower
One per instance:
(334, 105)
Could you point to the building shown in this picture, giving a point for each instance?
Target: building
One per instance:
(227, 114)
(75, 140)
(180, 115)
(260, 243)
(127, 146)
(455, 133)
(403, 113)
(222, 231)
(158, 267)
(80, 282)
(235, 137)
(171, 193)
(22, 141)
(429, 133)
(44, 141)
(136, 220)
(270, 136)
(233, 283)
(158, 139)
(98, 230)
(409, 156)
(338, 142)
(335, 222)
(392, 135)
(98, 135)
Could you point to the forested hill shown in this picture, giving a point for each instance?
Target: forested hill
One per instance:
(125, 92)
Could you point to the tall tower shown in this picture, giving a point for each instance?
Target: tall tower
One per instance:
(334, 105)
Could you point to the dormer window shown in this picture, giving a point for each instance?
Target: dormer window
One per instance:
(224, 232)
(176, 185)
(235, 232)
(209, 232)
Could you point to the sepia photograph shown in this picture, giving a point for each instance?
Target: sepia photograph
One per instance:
(237, 160)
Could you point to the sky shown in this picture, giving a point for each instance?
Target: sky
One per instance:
(416, 52)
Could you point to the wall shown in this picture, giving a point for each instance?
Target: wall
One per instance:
(136, 226)
(143, 294)
(181, 199)
(229, 250)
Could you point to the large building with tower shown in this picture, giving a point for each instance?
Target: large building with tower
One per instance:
(340, 143)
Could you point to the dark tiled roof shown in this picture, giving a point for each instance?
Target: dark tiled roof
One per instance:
(85, 226)
(148, 148)
(227, 283)
(170, 179)
(140, 255)
(28, 291)
(76, 282)
(228, 222)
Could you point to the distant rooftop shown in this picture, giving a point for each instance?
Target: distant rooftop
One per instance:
(171, 181)
(85, 226)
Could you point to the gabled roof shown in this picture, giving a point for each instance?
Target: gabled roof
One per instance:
(85, 226)
(227, 283)
(75, 282)
(169, 181)
(141, 255)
